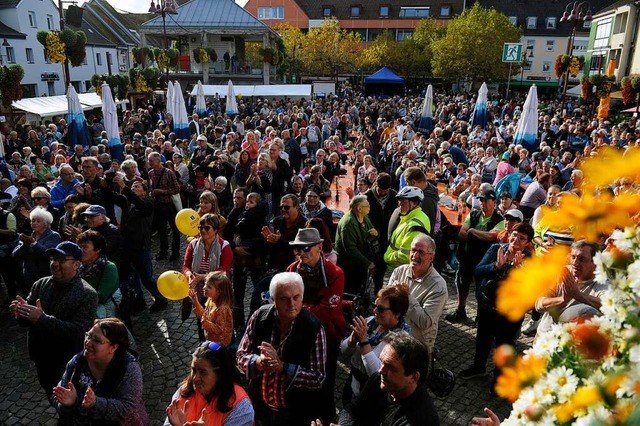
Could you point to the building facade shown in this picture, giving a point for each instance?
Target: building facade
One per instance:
(21, 20)
(369, 19)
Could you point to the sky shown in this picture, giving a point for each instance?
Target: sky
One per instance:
(138, 6)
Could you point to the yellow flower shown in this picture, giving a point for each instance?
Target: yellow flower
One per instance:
(585, 397)
(163, 60)
(609, 165)
(524, 373)
(55, 47)
(537, 277)
(591, 216)
(564, 412)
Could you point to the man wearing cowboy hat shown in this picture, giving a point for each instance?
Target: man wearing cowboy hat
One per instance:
(324, 287)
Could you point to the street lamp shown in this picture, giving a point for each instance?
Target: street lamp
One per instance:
(580, 13)
(164, 8)
(525, 61)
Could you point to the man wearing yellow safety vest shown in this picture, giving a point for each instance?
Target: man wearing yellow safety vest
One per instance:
(413, 221)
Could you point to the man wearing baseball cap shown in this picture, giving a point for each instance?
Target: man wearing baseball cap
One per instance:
(479, 231)
(58, 311)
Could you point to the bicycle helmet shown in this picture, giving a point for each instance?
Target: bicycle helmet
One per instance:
(411, 193)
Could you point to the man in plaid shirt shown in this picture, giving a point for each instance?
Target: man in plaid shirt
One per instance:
(283, 354)
(163, 184)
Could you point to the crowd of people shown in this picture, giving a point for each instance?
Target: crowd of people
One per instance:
(77, 226)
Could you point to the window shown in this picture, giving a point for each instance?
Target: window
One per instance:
(620, 23)
(11, 55)
(531, 44)
(29, 91)
(550, 23)
(373, 33)
(445, 11)
(51, 88)
(271, 13)
(29, 52)
(32, 20)
(327, 11)
(384, 11)
(596, 62)
(615, 55)
(46, 59)
(513, 20)
(404, 34)
(532, 22)
(414, 12)
(546, 67)
(50, 22)
(355, 11)
(528, 64)
(550, 46)
(603, 32)
(98, 59)
(587, 24)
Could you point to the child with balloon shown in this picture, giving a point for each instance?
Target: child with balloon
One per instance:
(216, 315)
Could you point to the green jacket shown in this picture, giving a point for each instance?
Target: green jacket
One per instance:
(413, 223)
(352, 242)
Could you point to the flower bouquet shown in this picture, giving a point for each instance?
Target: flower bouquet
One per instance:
(582, 373)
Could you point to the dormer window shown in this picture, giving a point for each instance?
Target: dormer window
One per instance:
(532, 22)
(445, 11)
(327, 11)
(384, 11)
(550, 23)
(355, 11)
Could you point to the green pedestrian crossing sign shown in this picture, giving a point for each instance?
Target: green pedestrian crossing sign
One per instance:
(512, 52)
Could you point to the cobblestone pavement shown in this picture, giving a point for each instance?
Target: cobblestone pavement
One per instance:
(165, 344)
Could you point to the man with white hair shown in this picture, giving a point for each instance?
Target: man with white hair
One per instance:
(283, 354)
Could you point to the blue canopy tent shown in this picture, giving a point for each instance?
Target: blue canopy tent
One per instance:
(384, 82)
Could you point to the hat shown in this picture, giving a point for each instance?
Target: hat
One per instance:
(94, 210)
(506, 155)
(487, 194)
(5, 195)
(202, 138)
(66, 248)
(447, 160)
(307, 237)
(514, 213)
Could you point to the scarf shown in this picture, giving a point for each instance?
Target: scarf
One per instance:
(94, 268)
(198, 254)
(311, 212)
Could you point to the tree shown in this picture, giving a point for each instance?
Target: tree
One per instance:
(472, 47)
(330, 50)
(293, 42)
(382, 51)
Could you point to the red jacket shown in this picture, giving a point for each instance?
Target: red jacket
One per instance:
(329, 304)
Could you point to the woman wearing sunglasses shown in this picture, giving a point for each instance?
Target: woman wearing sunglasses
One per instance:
(103, 383)
(365, 344)
(206, 253)
(211, 393)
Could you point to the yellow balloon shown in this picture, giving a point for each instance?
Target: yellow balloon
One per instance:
(187, 221)
(173, 285)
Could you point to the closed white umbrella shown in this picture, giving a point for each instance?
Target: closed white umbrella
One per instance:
(480, 111)
(232, 104)
(110, 115)
(426, 117)
(170, 99)
(201, 105)
(527, 131)
(180, 118)
(78, 133)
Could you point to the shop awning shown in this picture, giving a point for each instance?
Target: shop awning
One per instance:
(264, 90)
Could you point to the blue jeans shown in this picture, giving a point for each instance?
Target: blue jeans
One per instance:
(142, 264)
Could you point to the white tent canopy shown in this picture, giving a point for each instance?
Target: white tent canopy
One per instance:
(275, 90)
(49, 106)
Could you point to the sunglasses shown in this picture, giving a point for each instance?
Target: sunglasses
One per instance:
(379, 308)
(305, 249)
(205, 227)
(214, 346)
(94, 339)
(285, 207)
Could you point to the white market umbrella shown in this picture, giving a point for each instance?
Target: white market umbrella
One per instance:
(232, 104)
(201, 105)
(426, 117)
(110, 115)
(527, 131)
(78, 133)
(180, 117)
(480, 112)
(169, 108)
